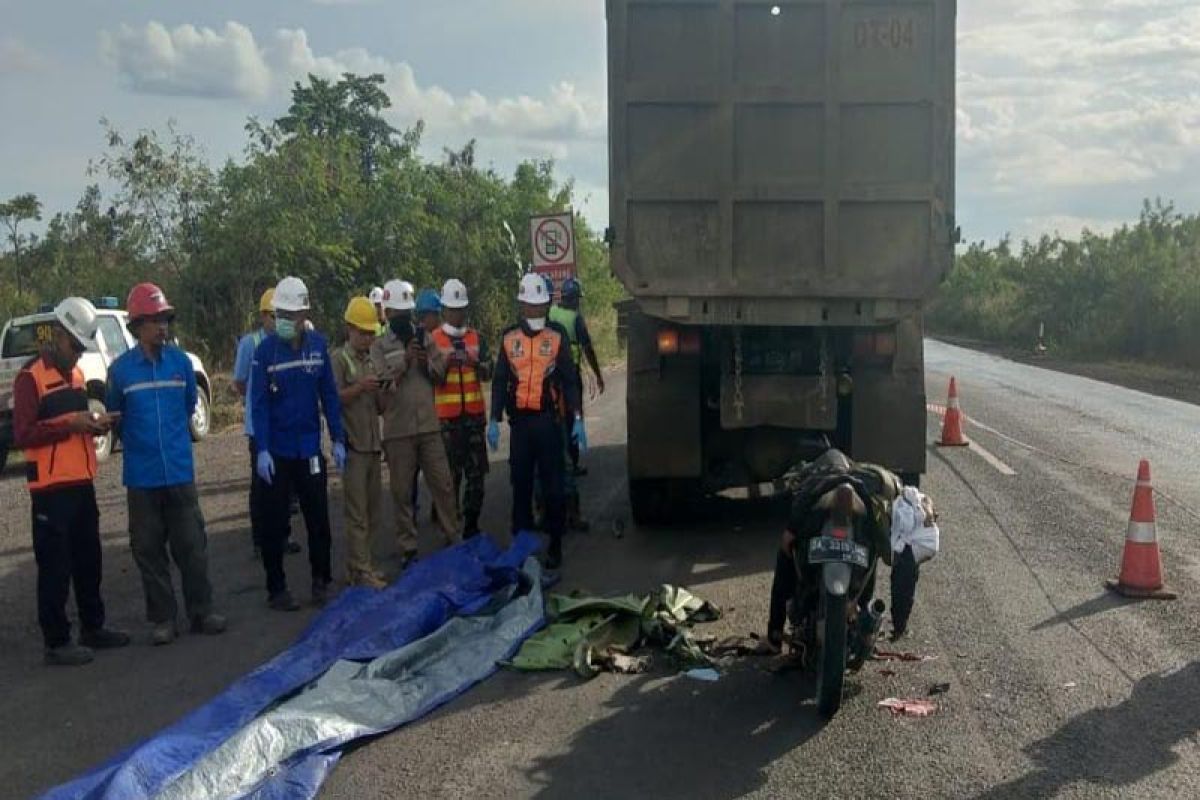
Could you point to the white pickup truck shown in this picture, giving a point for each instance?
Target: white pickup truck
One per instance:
(19, 343)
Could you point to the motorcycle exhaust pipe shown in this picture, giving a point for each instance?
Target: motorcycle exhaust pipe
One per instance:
(869, 625)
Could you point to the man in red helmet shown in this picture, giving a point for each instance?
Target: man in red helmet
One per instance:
(153, 387)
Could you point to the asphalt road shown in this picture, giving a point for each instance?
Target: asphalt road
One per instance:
(1056, 688)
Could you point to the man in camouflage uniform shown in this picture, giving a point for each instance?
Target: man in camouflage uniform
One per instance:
(460, 403)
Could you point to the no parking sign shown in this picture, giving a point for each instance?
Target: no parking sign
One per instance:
(554, 245)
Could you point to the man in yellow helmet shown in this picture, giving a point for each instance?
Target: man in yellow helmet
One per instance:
(362, 481)
(241, 382)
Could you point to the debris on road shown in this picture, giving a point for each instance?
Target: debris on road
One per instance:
(706, 674)
(908, 708)
(592, 634)
(938, 688)
(896, 655)
(752, 645)
(888, 673)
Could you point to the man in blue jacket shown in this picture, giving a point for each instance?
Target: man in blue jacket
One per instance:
(153, 390)
(291, 385)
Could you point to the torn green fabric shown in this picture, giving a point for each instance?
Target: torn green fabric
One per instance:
(589, 630)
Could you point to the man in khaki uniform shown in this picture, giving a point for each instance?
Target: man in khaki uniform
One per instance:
(362, 481)
(412, 433)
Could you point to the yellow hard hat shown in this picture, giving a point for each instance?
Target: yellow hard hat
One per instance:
(361, 314)
(266, 302)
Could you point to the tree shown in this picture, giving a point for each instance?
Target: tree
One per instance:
(20, 209)
(351, 107)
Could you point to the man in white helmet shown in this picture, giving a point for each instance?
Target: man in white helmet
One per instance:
(410, 366)
(534, 375)
(53, 424)
(460, 403)
(292, 386)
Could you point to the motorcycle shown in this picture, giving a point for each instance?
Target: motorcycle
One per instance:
(834, 619)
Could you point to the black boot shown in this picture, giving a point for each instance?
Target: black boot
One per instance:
(575, 520)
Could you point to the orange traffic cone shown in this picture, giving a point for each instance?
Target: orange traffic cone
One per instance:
(952, 432)
(1141, 563)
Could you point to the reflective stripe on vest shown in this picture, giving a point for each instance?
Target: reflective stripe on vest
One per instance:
(461, 394)
(532, 360)
(72, 460)
(569, 319)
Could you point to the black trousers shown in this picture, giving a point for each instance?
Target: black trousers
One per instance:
(537, 444)
(258, 501)
(905, 573)
(295, 475)
(66, 545)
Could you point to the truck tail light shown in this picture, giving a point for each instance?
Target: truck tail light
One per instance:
(674, 342)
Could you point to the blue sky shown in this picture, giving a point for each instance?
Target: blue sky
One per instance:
(1070, 111)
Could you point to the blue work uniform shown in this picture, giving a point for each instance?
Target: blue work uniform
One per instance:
(290, 387)
(156, 400)
(243, 363)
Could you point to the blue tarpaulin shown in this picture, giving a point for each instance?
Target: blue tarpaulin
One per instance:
(361, 625)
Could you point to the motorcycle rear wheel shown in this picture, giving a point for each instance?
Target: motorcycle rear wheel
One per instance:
(831, 670)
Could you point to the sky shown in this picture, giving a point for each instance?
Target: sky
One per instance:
(1070, 112)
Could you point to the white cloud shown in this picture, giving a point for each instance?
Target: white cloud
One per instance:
(1074, 104)
(188, 60)
(233, 63)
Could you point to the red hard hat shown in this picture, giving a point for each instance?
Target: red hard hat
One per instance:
(147, 300)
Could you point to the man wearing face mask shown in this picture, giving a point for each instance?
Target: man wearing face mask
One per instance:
(51, 421)
(292, 386)
(533, 369)
(406, 359)
(460, 404)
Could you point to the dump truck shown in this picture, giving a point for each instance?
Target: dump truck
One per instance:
(782, 205)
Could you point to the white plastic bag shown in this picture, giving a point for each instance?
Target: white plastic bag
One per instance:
(913, 525)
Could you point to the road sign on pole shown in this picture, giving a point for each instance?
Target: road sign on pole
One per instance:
(554, 245)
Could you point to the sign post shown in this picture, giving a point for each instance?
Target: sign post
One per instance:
(554, 245)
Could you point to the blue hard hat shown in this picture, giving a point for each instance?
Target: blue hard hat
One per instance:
(428, 300)
(572, 288)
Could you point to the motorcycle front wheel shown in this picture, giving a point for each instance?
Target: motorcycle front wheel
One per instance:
(831, 669)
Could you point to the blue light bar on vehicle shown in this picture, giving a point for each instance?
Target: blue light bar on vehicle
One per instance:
(107, 303)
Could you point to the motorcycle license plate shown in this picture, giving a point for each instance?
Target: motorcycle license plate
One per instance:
(826, 549)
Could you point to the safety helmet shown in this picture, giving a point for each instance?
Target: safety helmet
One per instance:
(147, 300)
(291, 295)
(428, 301)
(78, 316)
(399, 295)
(265, 303)
(360, 313)
(533, 290)
(376, 296)
(572, 288)
(454, 294)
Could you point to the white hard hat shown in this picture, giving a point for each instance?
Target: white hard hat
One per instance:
(454, 294)
(399, 296)
(376, 295)
(533, 290)
(78, 316)
(291, 295)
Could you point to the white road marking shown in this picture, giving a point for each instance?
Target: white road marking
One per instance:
(974, 446)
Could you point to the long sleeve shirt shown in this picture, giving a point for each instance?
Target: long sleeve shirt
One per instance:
(28, 430)
(290, 388)
(409, 408)
(562, 377)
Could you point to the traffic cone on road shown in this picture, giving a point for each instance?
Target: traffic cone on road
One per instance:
(1141, 563)
(952, 426)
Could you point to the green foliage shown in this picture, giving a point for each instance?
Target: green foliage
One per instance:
(1133, 294)
(330, 193)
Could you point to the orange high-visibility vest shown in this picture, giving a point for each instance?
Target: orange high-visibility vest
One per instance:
(532, 360)
(461, 394)
(72, 460)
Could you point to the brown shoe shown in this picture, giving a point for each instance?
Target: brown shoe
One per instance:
(367, 580)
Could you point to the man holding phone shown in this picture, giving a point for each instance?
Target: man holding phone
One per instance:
(51, 421)
(411, 430)
(154, 386)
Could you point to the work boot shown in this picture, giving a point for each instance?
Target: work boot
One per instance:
(103, 639)
(293, 548)
(282, 601)
(578, 471)
(162, 634)
(67, 655)
(209, 624)
(320, 592)
(575, 520)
